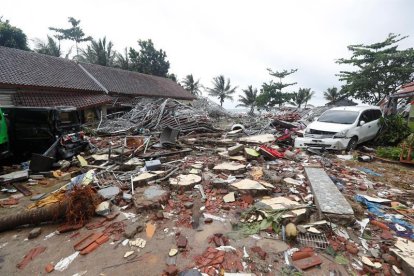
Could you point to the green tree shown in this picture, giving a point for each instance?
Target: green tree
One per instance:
(192, 86)
(149, 60)
(221, 89)
(11, 36)
(98, 52)
(172, 77)
(332, 94)
(271, 93)
(122, 61)
(74, 33)
(249, 99)
(379, 69)
(302, 96)
(50, 47)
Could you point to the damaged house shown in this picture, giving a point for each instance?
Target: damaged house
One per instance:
(30, 79)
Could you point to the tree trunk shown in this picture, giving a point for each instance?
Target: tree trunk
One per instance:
(34, 216)
(252, 110)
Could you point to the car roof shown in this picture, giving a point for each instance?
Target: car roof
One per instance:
(358, 108)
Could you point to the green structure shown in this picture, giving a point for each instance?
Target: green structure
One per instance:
(4, 136)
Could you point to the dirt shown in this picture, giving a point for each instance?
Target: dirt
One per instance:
(395, 174)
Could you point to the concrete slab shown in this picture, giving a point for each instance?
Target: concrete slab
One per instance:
(328, 198)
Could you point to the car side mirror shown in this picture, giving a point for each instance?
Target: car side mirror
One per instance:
(362, 123)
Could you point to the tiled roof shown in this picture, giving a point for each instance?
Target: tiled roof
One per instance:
(136, 84)
(80, 100)
(26, 68)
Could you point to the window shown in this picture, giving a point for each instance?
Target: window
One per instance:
(339, 117)
(365, 116)
(376, 114)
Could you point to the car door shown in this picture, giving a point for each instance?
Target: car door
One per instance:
(364, 130)
(375, 115)
(370, 125)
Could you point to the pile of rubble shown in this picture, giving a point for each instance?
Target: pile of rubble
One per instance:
(232, 202)
(157, 114)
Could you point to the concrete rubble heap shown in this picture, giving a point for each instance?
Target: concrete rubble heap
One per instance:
(230, 199)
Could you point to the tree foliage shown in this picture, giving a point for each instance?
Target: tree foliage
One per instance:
(51, 47)
(302, 97)
(98, 52)
(221, 89)
(379, 69)
(11, 36)
(332, 94)
(271, 93)
(149, 60)
(249, 99)
(74, 33)
(122, 61)
(393, 130)
(192, 86)
(172, 77)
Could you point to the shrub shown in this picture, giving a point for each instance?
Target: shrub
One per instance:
(393, 130)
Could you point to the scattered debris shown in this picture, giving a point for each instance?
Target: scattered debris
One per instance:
(244, 196)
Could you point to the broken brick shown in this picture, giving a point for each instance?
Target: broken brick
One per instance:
(171, 270)
(90, 248)
(247, 198)
(351, 248)
(386, 235)
(34, 233)
(308, 262)
(390, 259)
(182, 242)
(259, 251)
(103, 239)
(33, 253)
(49, 268)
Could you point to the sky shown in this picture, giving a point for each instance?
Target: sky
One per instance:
(236, 38)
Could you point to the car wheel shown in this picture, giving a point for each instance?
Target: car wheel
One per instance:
(352, 144)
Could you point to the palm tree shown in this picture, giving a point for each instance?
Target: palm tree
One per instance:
(302, 97)
(249, 99)
(99, 52)
(122, 61)
(222, 89)
(50, 47)
(331, 94)
(308, 94)
(194, 87)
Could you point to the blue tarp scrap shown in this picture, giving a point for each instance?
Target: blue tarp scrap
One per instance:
(369, 171)
(377, 209)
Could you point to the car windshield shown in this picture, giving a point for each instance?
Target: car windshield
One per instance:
(339, 117)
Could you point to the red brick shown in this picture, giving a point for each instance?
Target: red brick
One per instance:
(49, 268)
(308, 262)
(386, 235)
(103, 239)
(259, 251)
(171, 270)
(182, 242)
(299, 255)
(85, 242)
(351, 248)
(90, 248)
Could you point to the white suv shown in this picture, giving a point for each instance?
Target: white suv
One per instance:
(342, 128)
